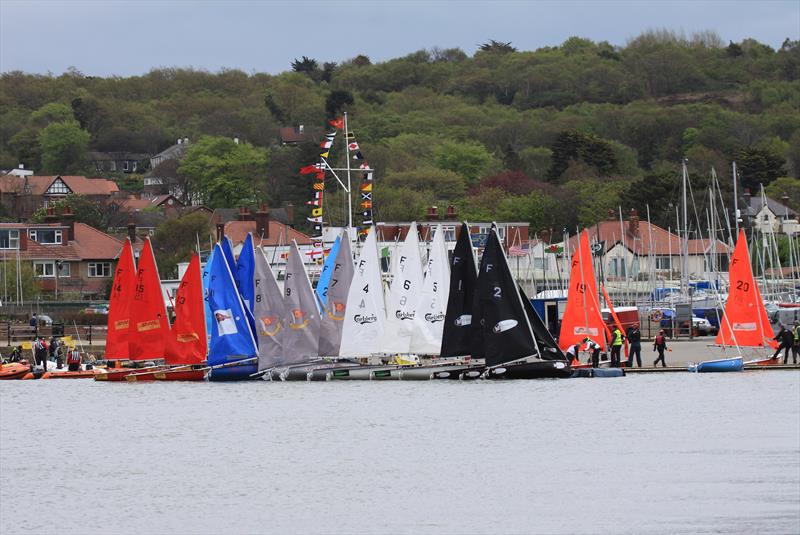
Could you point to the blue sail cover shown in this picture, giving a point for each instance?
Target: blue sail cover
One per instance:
(327, 271)
(231, 337)
(206, 279)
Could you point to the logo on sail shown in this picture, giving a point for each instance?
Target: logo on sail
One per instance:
(149, 325)
(433, 318)
(299, 319)
(336, 310)
(187, 337)
(121, 324)
(270, 325)
(225, 322)
(590, 331)
(363, 319)
(404, 315)
(504, 325)
(463, 320)
(744, 327)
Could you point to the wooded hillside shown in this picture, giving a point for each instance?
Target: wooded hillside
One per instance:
(556, 136)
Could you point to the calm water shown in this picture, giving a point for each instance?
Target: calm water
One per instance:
(666, 453)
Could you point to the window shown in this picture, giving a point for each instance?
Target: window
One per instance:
(9, 239)
(616, 267)
(63, 269)
(125, 165)
(538, 263)
(46, 236)
(501, 231)
(449, 233)
(44, 269)
(664, 262)
(99, 269)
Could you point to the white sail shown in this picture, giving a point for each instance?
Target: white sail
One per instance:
(432, 305)
(404, 295)
(301, 320)
(268, 312)
(362, 332)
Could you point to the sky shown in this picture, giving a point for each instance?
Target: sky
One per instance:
(124, 37)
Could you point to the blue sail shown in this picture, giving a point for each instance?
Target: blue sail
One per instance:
(243, 275)
(227, 249)
(231, 337)
(327, 271)
(206, 279)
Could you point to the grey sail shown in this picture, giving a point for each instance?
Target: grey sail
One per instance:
(301, 319)
(333, 313)
(268, 312)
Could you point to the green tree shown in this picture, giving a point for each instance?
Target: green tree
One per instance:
(84, 209)
(223, 173)
(63, 147)
(52, 112)
(26, 281)
(443, 185)
(467, 158)
(579, 146)
(176, 239)
(785, 187)
(402, 204)
(759, 166)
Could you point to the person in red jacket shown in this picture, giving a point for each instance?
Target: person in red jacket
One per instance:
(73, 360)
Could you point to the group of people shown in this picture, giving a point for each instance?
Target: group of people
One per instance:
(634, 337)
(44, 352)
(788, 339)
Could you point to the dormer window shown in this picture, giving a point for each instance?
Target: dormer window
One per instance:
(46, 236)
(9, 239)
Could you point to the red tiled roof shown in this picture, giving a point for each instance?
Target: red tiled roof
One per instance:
(134, 204)
(279, 234)
(663, 241)
(80, 185)
(89, 244)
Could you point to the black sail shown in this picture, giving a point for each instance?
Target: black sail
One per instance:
(459, 336)
(506, 333)
(548, 347)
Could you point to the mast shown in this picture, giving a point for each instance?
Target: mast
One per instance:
(685, 243)
(735, 201)
(349, 189)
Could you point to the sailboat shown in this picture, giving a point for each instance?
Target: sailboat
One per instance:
(745, 322)
(268, 312)
(300, 313)
(149, 325)
(430, 312)
(233, 352)
(511, 350)
(582, 317)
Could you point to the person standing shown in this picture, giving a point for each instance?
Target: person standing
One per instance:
(616, 347)
(796, 343)
(40, 352)
(660, 345)
(786, 340)
(635, 339)
(34, 324)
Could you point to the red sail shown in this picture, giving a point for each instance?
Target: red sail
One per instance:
(582, 317)
(149, 324)
(745, 322)
(119, 305)
(187, 343)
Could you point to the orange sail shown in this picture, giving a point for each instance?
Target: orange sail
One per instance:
(149, 327)
(119, 305)
(745, 322)
(187, 343)
(582, 317)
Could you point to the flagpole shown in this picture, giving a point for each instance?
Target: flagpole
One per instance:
(349, 194)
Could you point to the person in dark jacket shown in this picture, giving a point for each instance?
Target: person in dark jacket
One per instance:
(660, 345)
(796, 342)
(635, 348)
(786, 340)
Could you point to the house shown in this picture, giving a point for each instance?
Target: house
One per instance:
(125, 162)
(293, 135)
(21, 196)
(767, 215)
(133, 203)
(19, 171)
(173, 152)
(66, 257)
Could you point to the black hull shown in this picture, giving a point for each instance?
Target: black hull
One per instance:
(531, 370)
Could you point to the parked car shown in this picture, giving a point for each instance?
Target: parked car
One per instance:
(96, 309)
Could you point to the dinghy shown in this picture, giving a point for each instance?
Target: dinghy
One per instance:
(14, 370)
(745, 322)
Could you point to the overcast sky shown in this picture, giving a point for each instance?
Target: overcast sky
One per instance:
(126, 37)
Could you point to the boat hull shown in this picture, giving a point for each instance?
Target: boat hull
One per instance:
(531, 370)
(181, 375)
(13, 371)
(598, 372)
(82, 374)
(243, 372)
(734, 364)
(119, 374)
(768, 361)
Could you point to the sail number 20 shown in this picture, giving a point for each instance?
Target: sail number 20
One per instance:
(742, 285)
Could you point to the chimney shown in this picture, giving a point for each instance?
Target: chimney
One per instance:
(68, 220)
(300, 129)
(612, 215)
(236, 139)
(22, 166)
(51, 216)
(746, 195)
(131, 230)
(452, 214)
(262, 222)
(179, 141)
(244, 214)
(290, 214)
(432, 214)
(186, 141)
(220, 229)
(633, 223)
(23, 239)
